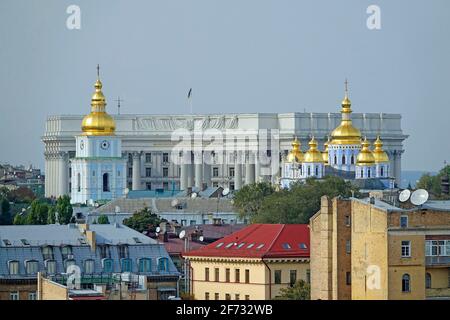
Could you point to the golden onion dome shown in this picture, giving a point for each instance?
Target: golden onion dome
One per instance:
(346, 133)
(313, 155)
(365, 156)
(325, 151)
(378, 153)
(98, 122)
(295, 155)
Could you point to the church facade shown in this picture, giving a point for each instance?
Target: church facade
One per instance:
(145, 143)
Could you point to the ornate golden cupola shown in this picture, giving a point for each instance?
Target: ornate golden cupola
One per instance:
(98, 122)
(365, 156)
(346, 133)
(325, 151)
(378, 153)
(313, 155)
(295, 155)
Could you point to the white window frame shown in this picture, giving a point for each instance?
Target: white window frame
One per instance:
(14, 295)
(29, 263)
(15, 262)
(32, 295)
(48, 263)
(407, 248)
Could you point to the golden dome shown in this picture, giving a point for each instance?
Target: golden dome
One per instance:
(295, 155)
(325, 151)
(378, 153)
(365, 156)
(346, 133)
(98, 122)
(313, 155)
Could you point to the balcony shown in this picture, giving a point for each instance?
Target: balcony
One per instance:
(437, 261)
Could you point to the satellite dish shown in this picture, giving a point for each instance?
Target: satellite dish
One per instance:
(194, 195)
(182, 234)
(158, 229)
(201, 238)
(419, 197)
(174, 203)
(404, 195)
(126, 191)
(225, 191)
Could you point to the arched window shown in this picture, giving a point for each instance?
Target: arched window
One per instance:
(317, 171)
(163, 264)
(79, 182)
(32, 266)
(335, 160)
(309, 171)
(382, 171)
(89, 266)
(145, 265)
(13, 266)
(362, 173)
(406, 283)
(105, 182)
(343, 159)
(126, 265)
(47, 253)
(108, 265)
(368, 173)
(352, 159)
(428, 281)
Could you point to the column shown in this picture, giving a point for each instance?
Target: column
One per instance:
(136, 182)
(249, 169)
(398, 167)
(184, 176)
(257, 168)
(63, 171)
(237, 175)
(198, 160)
(47, 175)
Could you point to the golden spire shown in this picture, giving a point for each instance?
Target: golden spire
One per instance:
(313, 154)
(365, 156)
(295, 155)
(98, 122)
(379, 154)
(346, 133)
(325, 151)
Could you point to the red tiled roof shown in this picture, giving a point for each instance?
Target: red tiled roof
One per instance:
(260, 241)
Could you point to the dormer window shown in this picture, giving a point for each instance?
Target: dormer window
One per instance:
(31, 266)
(13, 266)
(47, 253)
(25, 242)
(163, 264)
(50, 266)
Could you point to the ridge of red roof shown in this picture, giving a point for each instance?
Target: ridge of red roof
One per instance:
(260, 241)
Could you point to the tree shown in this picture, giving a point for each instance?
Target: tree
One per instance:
(38, 213)
(294, 205)
(103, 219)
(18, 219)
(143, 220)
(64, 209)
(249, 198)
(51, 218)
(21, 195)
(299, 291)
(5, 212)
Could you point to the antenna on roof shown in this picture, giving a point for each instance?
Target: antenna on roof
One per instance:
(404, 195)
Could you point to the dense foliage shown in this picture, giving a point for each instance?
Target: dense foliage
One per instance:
(103, 219)
(143, 220)
(299, 291)
(261, 204)
(433, 183)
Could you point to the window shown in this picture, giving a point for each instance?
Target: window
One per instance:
(219, 245)
(247, 276)
(106, 182)
(343, 159)
(166, 186)
(130, 172)
(148, 172)
(406, 283)
(352, 159)
(216, 296)
(286, 246)
(47, 253)
(368, 173)
(215, 172)
(163, 264)
(50, 266)
(348, 278)
(145, 265)
(309, 171)
(148, 185)
(227, 275)
(308, 276)
(216, 274)
(292, 277)
(231, 171)
(32, 295)
(206, 274)
(247, 297)
(260, 246)
(7, 242)
(382, 171)
(32, 266)
(68, 263)
(302, 246)
(165, 157)
(335, 160)
(25, 242)
(250, 245)
(13, 266)
(348, 247)
(123, 251)
(237, 297)
(437, 247)
(165, 172)
(206, 295)
(347, 221)
(317, 171)
(237, 275)
(89, 266)
(227, 296)
(404, 221)
(78, 182)
(428, 280)
(406, 249)
(14, 295)
(148, 157)
(277, 276)
(108, 265)
(126, 265)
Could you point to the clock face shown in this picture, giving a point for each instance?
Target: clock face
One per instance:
(81, 144)
(104, 145)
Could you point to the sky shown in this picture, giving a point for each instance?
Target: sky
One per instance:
(237, 55)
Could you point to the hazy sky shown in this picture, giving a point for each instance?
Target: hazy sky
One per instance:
(238, 55)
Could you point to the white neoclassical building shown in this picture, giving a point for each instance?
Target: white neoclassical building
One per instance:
(150, 150)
